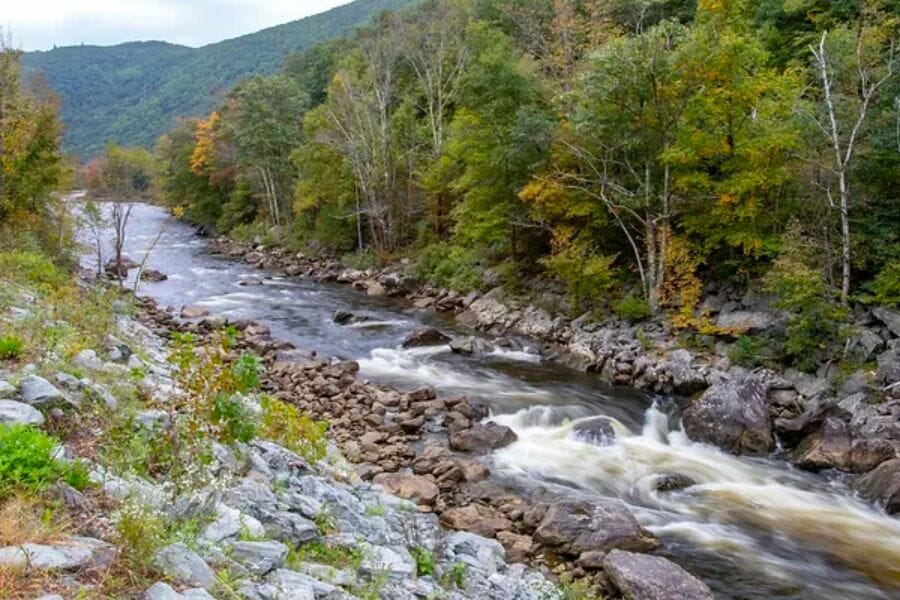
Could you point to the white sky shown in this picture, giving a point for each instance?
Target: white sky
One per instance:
(41, 24)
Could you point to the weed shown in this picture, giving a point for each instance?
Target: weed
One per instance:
(10, 347)
(577, 590)
(140, 531)
(376, 510)
(424, 561)
(284, 424)
(339, 557)
(325, 521)
(27, 460)
(372, 589)
(456, 576)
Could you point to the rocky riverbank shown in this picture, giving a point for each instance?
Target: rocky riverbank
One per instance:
(830, 420)
(429, 450)
(419, 516)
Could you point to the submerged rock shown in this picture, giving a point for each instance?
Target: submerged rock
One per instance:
(882, 485)
(644, 577)
(597, 430)
(428, 336)
(471, 345)
(732, 415)
(345, 317)
(153, 276)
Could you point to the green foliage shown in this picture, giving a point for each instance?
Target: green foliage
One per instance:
(816, 323)
(588, 276)
(235, 420)
(577, 590)
(751, 351)
(424, 561)
(886, 285)
(34, 269)
(27, 461)
(284, 424)
(451, 266)
(339, 557)
(455, 576)
(140, 531)
(10, 347)
(633, 308)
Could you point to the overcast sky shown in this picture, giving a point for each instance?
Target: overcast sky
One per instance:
(41, 24)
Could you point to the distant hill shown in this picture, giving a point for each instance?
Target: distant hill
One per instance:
(131, 93)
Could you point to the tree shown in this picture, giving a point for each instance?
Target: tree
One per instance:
(851, 69)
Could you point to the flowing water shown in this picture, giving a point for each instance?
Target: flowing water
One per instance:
(751, 528)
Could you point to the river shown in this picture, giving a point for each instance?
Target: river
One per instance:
(752, 528)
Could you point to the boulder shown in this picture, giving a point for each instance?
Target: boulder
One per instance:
(37, 391)
(476, 518)
(827, 448)
(471, 345)
(259, 557)
(732, 415)
(596, 430)
(18, 412)
(672, 482)
(428, 336)
(374, 288)
(183, 565)
(120, 268)
(396, 563)
(482, 438)
(410, 487)
(7, 390)
(644, 577)
(345, 317)
(882, 486)
(576, 526)
(153, 276)
(480, 553)
(71, 554)
(290, 585)
(890, 318)
(745, 321)
(194, 312)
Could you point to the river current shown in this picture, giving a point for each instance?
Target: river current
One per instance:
(752, 528)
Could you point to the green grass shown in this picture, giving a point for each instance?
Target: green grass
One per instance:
(10, 347)
(339, 557)
(27, 462)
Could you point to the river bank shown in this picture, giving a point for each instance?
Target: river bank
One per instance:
(750, 527)
(829, 420)
(247, 518)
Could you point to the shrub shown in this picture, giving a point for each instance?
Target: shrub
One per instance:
(588, 276)
(236, 421)
(424, 561)
(887, 285)
(633, 308)
(750, 351)
(815, 322)
(451, 266)
(27, 463)
(10, 347)
(140, 531)
(284, 424)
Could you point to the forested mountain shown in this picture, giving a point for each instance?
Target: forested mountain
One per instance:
(131, 93)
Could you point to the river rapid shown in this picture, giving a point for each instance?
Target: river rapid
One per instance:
(752, 528)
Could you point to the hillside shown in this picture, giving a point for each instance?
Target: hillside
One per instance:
(131, 93)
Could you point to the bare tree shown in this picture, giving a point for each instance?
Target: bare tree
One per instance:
(845, 115)
(96, 223)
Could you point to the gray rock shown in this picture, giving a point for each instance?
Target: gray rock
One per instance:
(289, 527)
(37, 391)
(229, 523)
(745, 321)
(7, 390)
(480, 553)
(865, 344)
(290, 585)
(890, 318)
(595, 430)
(162, 591)
(644, 577)
(733, 415)
(471, 345)
(19, 412)
(194, 312)
(184, 565)
(396, 563)
(72, 554)
(88, 359)
(152, 419)
(197, 594)
(428, 336)
(882, 486)
(259, 557)
(326, 574)
(578, 526)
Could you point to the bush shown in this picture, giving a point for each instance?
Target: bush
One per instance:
(887, 285)
(633, 308)
(424, 561)
(139, 531)
(10, 347)
(27, 463)
(588, 276)
(451, 266)
(815, 322)
(284, 424)
(34, 269)
(750, 352)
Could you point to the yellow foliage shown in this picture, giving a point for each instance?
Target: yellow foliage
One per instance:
(204, 156)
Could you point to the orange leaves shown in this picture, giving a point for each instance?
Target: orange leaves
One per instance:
(204, 157)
